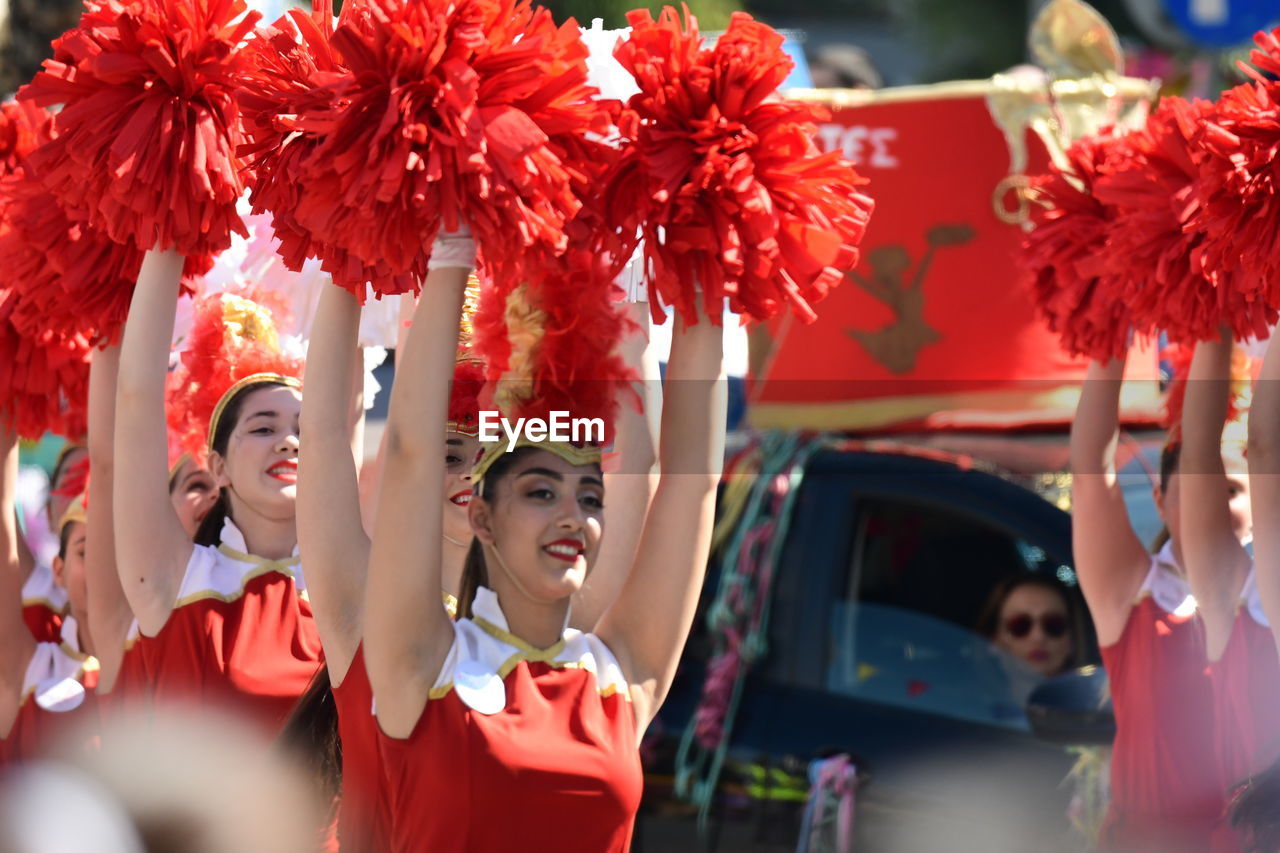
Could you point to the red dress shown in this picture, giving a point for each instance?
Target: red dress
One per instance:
(364, 818)
(240, 636)
(1246, 682)
(58, 700)
(1166, 792)
(517, 748)
(130, 699)
(44, 605)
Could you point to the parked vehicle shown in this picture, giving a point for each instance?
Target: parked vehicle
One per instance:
(889, 550)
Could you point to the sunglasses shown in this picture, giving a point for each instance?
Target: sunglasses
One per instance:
(1053, 625)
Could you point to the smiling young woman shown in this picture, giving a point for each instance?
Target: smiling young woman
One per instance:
(539, 719)
(228, 615)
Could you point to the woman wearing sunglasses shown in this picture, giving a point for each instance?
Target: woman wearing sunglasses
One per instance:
(1031, 618)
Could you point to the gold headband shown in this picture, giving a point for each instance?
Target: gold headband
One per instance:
(74, 512)
(177, 466)
(251, 379)
(587, 454)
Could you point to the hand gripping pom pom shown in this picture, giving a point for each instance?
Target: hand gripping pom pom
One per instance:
(149, 125)
(1063, 257)
(724, 177)
(1239, 198)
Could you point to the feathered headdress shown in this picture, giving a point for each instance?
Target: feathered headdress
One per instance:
(74, 487)
(233, 344)
(1179, 356)
(468, 373)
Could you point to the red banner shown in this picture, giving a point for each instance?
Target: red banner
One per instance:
(933, 329)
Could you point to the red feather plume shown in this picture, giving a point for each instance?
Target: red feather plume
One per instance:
(1064, 257)
(464, 396)
(1179, 357)
(1240, 195)
(214, 360)
(147, 134)
(724, 177)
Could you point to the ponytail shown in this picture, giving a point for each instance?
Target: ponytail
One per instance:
(475, 574)
(210, 530)
(310, 735)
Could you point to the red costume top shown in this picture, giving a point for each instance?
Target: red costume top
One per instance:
(241, 635)
(57, 699)
(517, 747)
(1246, 687)
(1165, 789)
(364, 818)
(130, 699)
(44, 605)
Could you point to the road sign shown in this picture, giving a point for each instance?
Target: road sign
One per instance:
(1222, 23)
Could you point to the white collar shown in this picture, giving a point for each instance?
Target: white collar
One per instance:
(233, 538)
(1167, 585)
(486, 607)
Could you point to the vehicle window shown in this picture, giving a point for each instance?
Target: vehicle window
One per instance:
(903, 633)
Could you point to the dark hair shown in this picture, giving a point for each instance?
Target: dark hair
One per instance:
(210, 530)
(310, 735)
(1255, 811)
(988, 624)
(1170, 456)
(64, 540)
(475, 573)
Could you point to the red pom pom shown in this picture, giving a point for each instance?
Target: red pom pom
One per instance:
(1064, 257)
(1149, 187)
(724, 178)
(216, 358)
(1240, 193)
(292, 66)
(44, 379)
(381, 165)
(23, 126)
(149, 126)
(73, 279)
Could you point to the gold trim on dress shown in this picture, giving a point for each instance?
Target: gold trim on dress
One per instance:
(264, 566)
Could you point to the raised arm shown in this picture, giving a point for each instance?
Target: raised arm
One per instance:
(646, 627)
(1110, 559)
(109, 613)
(331, 536)
(407, 634)
(1264, 483)
(630, 487)
(1216, 563)
(152, 549)
(16, 643)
